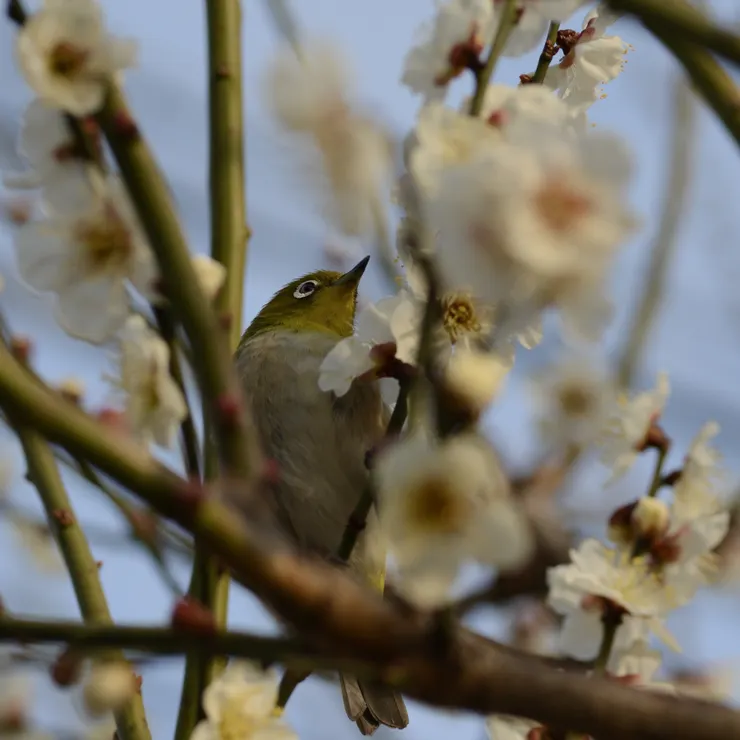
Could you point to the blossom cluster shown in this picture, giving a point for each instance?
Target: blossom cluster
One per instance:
(615, 597)
(519, 205)
(85, 244)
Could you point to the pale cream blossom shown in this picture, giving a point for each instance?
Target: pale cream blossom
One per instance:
(210, 274)
(459, 29)
(391, 324)
(443, 138)
(599, 576)
(507, 727)
(594, 60)
(108, 687)
(476, 377)
(573, 398)
(35, 538)
(628, 424)
(67, 56)
(241, 704)
(88, 255)
(529, 218)
(505, 107)
(47, 145)
(442, 504)
(154, 403)
(310, 97)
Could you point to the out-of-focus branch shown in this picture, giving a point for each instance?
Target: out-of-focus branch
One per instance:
(710, 79)
(686, 22)
(677, 180)
(332, 611)
(83, 570)
(142, 525)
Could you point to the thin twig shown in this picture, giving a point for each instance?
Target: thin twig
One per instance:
(505, 27)
(188, 436)
(547, 54)
(681, 151)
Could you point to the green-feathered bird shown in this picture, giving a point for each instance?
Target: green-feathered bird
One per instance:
(319, 441)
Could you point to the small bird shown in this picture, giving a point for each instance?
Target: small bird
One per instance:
(319, 441)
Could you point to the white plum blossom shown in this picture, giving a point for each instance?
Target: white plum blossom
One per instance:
(47, 145)
(636, 660)
(699, 517)
(154, 403)
(442, 504)
(507, 727)
(241, 703)
(310, 97)
(594, 59)
(391, 325)
(573, 398)
(476, 377)
(443, 138)
(505, 107)
(88, 254)
(695, 491)
(210, 274)
(67, 56)
(600, 577)
(36, 540)
(628, 424)
(349, 359)
(532, 20)
(534, 216)
(108, 687)
(458, 33)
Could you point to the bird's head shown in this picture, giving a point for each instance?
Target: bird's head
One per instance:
(319, 301)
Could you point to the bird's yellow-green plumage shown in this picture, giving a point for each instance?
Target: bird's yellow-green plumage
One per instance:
(330, 308)
(319, 441)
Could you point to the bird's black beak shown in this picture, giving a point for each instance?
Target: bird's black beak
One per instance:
(353, 276)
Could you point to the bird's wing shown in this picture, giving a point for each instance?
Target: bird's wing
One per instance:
(319, 444)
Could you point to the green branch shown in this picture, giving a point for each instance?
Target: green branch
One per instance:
(229, 239)
(686, 22)
(682, 147)
(211, 357)
(505, 27)
(546, 56)
(710, 79)
(83, 570)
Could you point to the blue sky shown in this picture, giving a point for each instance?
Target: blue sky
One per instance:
(695, 340)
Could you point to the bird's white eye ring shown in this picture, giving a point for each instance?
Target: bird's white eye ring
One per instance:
(306, 288)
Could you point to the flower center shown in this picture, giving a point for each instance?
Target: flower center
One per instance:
(67, 60)
(106, 242)
(234, 723)
(559, 207)
(459, 316)
(575, 401)
(434, 507)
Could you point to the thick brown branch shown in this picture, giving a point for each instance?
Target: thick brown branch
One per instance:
(329, 608)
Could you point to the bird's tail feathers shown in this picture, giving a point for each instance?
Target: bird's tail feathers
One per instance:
(371, 706)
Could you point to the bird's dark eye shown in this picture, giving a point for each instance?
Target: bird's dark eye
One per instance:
(305, 289)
